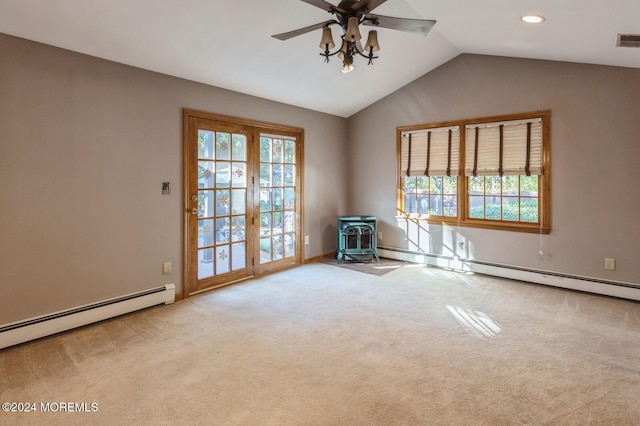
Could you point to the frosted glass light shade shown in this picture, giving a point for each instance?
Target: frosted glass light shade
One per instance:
(372, 42)
(353, 30)
(327, 39)
(343, 51)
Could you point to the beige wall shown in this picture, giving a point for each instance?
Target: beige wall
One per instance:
(84, 147)
(595, 147)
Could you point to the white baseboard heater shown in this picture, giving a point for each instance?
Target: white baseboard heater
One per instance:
(35, 328)
(572, 282)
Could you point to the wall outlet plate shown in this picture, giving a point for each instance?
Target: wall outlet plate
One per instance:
(166, 268)
(609, 264)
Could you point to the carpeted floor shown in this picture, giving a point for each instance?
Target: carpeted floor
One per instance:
(326, 345)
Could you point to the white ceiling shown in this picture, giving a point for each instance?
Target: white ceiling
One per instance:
(228, 43)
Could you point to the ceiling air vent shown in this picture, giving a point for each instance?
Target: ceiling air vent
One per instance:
(628, 40)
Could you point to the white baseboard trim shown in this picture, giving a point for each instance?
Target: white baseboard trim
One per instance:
(573, 282)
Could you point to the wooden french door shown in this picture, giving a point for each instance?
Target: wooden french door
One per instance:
(242, 184)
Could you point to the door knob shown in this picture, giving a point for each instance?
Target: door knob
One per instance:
(194, 210)
(194, 198)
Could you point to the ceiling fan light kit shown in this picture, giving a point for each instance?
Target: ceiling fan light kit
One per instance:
(350, 14)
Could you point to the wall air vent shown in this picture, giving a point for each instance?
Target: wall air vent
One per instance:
(628, 40)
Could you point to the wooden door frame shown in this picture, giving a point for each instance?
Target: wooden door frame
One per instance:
(258, 126)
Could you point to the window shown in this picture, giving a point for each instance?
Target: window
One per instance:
(429, 171)
(504, 183)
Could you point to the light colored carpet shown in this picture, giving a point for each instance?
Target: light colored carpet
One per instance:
(321, 345)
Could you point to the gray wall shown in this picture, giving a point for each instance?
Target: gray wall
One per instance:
(595, 147)
(84, 147)
(86, 143)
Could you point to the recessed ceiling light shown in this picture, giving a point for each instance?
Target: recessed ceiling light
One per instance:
(533, 19)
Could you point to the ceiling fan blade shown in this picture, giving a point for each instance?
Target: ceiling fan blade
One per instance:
(300, 31)
(324, 5)
(369, 5)
(415, 26)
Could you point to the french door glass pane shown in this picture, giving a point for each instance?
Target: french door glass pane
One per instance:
(289, 175)
(205, 263)
(277, 175)
(205, 203)
(265, 150)
(276, 152)
(222, 230)
(265, 250)
(238, 255)
(206, 170)
(265, 200)
(238, 201)
(222, 202)
(239, 175)
(222, 260)
(205, 233)
(222, 146)
(277, 223)
(239, 229)
(239, 148)
(223, 174)
(278, 247)
(289, 245)
(205, 144)
(289, 151)
(289, 221)
(277, 198)
(265, 224)
(289, 198)
(265, 174)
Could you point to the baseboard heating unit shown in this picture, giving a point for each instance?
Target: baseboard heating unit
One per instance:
(618, 289)
(46, 325)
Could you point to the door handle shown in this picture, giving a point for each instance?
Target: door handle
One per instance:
(194, 210)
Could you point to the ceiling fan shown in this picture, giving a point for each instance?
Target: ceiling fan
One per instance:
(349, 14)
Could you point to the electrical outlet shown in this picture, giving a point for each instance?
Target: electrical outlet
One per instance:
(306, 239)
(380, 235)
(166, 268)
(609, 264)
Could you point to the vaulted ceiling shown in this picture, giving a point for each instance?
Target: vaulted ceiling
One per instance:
(228, 43)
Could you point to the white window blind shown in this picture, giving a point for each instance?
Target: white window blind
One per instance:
(433, 152)
(504, 148)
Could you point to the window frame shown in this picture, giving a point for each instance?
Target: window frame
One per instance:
(543, 226)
